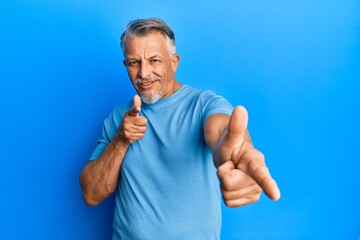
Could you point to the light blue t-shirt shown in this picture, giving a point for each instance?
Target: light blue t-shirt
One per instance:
(168, 188)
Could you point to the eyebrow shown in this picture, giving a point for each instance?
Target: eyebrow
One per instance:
(155, 56)
(151, 57)
(130, 59)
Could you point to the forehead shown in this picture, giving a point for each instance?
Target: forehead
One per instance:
(151, 43)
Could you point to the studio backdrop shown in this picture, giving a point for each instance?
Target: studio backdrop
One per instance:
(295, 66)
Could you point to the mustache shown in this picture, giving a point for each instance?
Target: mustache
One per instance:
(145, 80)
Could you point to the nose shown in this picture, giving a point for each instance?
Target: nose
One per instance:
(145, 70)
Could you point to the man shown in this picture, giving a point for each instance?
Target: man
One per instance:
(159, 151)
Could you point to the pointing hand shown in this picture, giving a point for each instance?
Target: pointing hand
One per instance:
(243, 168)
(133, 126)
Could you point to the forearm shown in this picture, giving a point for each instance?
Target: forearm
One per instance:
(99, 178)
(215, 149)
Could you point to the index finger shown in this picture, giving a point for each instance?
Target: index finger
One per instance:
(135, 110)
(256, 168)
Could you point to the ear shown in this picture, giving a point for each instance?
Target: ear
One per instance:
(175, 59)
(124, 62)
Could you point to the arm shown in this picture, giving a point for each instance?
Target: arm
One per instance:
(99, 177)
(241, 168)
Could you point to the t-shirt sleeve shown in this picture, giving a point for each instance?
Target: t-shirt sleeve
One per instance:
(109, 129)
(214, 104)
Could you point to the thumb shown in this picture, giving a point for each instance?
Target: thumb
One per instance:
(135, 110)
(237, 125)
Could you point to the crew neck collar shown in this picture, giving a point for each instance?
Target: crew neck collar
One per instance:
(167, 100)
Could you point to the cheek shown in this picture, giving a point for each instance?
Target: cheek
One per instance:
(163, 70)
(132, 75)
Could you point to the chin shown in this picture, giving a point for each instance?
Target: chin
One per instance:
(151, 99)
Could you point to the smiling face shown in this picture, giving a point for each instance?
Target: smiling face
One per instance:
(151, 66)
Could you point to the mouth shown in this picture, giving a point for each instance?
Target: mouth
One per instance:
(146, 85)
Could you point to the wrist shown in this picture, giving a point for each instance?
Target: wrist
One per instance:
(120, 140)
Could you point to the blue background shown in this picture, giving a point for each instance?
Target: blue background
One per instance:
(295, 65)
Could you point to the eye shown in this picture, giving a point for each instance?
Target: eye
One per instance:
(132, 63)
(155, 61)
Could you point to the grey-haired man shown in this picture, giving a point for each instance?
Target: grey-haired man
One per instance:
(166, 152)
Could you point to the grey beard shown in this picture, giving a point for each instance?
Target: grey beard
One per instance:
(151, 99)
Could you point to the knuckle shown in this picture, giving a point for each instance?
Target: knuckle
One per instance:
(261, 155)
(258, 190)
(230, 204)
(227, 203)
(126, 118)
(127, 137)
(256, 155)
(254, 198)
(125, 127)
(225, 194)
(220, 171)
(144, 120)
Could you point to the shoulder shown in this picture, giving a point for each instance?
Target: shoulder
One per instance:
(206, 96)
(208, 101)
(198, 93)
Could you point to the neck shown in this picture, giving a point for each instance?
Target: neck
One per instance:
(172, 88)
(177, 86)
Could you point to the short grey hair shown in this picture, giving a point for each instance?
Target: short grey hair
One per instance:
(143, 27)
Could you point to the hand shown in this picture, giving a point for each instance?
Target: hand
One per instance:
(133, 126)
(247, 165)
(238, 188)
